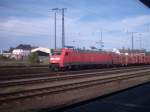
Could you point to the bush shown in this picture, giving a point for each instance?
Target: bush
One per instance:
(4, 58)
(33, 58)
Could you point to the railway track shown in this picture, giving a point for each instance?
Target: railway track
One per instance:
(20, 90)
(63, 76)
(21, 66)
(70, 84)
(22, 70)
(4, 77)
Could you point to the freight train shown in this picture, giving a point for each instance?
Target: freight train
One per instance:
(67, 58)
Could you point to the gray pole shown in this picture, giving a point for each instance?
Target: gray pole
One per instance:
(55, 29)
(55, 25)
(132, 41)
(140, 41)
(101, 39)
(63, 29)
(63, 26)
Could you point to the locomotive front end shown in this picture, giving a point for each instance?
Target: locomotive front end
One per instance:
(56, 60)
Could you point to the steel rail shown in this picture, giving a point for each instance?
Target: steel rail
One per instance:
(64, 77)
(21, 66)
(23, 76)
(64, 72)
(71, 85)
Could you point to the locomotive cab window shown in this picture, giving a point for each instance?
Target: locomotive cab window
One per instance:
(56, 53)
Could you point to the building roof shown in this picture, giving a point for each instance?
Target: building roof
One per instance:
(24, 47)
(46, 50)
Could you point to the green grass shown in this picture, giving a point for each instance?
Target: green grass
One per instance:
(32, 60)
(21, 63)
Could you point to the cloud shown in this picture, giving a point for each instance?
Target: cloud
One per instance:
(115, 32)
(131, 24)
(21, 27)
(85, 33)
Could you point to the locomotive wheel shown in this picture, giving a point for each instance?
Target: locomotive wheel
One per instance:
(54, 68)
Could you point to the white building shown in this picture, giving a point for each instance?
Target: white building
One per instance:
(20, 53)
(42, 49)
(43, 53)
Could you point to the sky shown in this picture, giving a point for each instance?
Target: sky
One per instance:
(32, 22)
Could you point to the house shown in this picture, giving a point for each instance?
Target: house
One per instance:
(43, 53)
(21, 51)
(20, 54)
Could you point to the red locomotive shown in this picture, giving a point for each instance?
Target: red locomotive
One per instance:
(71, 58)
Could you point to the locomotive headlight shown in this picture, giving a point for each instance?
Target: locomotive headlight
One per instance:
(52, 58)
(57, 58)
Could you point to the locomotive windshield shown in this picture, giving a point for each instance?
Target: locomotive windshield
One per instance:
(56, 52)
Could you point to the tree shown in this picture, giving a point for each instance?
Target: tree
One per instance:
(33, 58)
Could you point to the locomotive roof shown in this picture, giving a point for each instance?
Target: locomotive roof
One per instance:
(86, 50)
